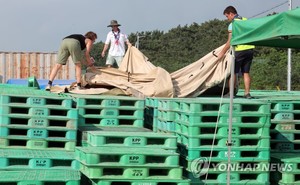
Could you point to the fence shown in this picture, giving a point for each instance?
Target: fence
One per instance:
(23, 65)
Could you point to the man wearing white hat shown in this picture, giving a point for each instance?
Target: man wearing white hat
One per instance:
(117, 41)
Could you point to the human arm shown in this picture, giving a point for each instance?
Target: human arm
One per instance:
(226, 47)
(128, 43)
(104, 50)
(89, 45)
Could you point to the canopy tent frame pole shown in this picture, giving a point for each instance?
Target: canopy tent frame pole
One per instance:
(289, 65)
(231, 91)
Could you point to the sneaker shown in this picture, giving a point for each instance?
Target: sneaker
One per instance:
(48, 87)
(248, 96)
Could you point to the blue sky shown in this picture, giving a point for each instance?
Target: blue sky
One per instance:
(39, 25)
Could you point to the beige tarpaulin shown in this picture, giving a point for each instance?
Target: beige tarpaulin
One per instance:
(194, 79)
(139, 77)
(136, 76)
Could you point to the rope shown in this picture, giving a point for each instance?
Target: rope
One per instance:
(216, 127)
(269, 9)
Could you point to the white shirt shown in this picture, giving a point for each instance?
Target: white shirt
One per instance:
(117, 43)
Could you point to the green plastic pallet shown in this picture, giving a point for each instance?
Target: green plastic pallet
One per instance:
(95, 120)
(14, 86)
(288, 106)
(33, 101)
(285, 136)
(83, 130)
(293, 177)
(111, 112)
(221, 153)
(151, 102)
(235, 177)
(21, 142)
(284, 116)
(110, 102)
(291, 183)
(23, 159)
(243, 182)
(285, 146)
(141, 182)
(151, 111)
(134, 139)
(166, 126)
(21, 90)
(286, 127)
(223, 120)
(221, 141)
(212, 130)
(127, 156)
(213, 105)
(38, 133)
(53, 122)
(166, 115)
(219, 165)
(60, 112)
(289, 160)
(170, 104)
(32, 82)
(144, 173)
(40, 177)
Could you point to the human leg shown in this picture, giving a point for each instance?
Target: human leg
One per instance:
(53, 73)
(247, 82)
(110, 60)
(118, 60)
(63, 54)
(78, 73)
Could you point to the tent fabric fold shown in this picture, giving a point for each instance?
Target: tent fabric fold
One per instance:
(137, 76)
(194, 79)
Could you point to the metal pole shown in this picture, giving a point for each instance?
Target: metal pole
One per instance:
(137, 44)
(231, 91)
(289, 67)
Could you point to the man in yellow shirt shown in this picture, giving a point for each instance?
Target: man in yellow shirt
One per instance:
(243, 53)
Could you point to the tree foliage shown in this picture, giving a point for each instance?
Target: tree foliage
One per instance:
(186, 44)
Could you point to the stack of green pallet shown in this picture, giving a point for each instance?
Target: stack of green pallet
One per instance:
(136, 158)
(202, 135)
(110, 111)
(286, 168)
(167, 109)
(151, 112)
(37, 137)
(285, 132)
(285, 124)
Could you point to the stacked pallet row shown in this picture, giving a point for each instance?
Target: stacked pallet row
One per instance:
(167, 109)
(160, 114)
(201, 141)
(124, 154)
(109, 113)
(151, 113)
(284, 132)
(285, 143)
(37, 137)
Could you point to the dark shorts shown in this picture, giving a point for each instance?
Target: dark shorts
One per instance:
(243, 60)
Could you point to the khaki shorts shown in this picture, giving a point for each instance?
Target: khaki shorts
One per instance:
(112, 59)
(70, 47)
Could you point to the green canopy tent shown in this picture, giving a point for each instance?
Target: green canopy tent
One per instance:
(279, 30)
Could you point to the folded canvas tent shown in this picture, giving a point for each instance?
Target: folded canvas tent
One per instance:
(137, 76)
